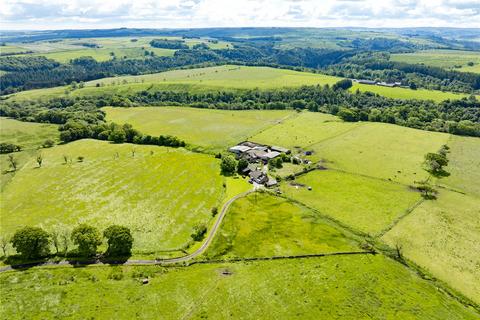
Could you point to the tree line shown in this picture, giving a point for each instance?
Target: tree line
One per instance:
(33, 243)
(460, 117)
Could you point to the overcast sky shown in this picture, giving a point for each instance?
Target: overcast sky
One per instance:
(56, 14)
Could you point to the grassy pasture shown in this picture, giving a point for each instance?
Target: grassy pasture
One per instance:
(209, 129)
(381, 150)
(262, 225)
(404, 93)
(306, 129)
(229, 76)
(27, 134)
(446, 240)
(464, 165)
(158, 193)
(447, 59)
(365, 204)
(226, 77)
(10, 49)
(104, 54)
(67, 49)
(357, 286)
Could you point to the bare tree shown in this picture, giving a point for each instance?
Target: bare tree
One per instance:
(39, 160)
(399, 251)
(13, 162)
(65, 240)
(55, 236)
(4, 240)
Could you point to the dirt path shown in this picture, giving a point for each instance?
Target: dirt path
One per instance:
(184, 258)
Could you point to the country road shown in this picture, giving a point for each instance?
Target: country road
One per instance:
(184, 258)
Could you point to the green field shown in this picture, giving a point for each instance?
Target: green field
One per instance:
(340, 287)
(209, 129)
(380, 150)
(29, 135)
(404, 93)
(226, 77)
(104, 54)
(304, 130)
(158, 193)
(122, 47)
(464, 165)
(374, 149)
(446, 240)
(262, 225)
(364, 204)
(11, 49)
(448, 59)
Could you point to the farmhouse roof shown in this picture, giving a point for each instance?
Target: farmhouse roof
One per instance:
(250, 167)
(255, 174)
(366, 81)
(240, 149)
(250, 144)
(271, 154)
(256, 153)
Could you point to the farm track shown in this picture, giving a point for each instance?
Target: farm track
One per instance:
(184, 258)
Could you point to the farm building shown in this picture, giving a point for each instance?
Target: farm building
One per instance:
(362, 81)
(239, 149)
(271, 182)
(280, 149)
(258, 176)
(254, 152)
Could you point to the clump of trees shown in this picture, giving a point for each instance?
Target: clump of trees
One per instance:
(31, 242)
(87, 238)
(168, 44)
(115, 133)
(9, 148)
(34, 243)
(434, 163)
(228, 165)
(199, 232)
(119, 240)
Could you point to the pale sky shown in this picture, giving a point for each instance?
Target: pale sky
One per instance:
(83, 14)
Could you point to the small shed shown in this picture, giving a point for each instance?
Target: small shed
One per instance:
(271, 182)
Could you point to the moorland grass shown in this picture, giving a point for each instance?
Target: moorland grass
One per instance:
(261, 225)
(160, 193)
(443, 237)
(210, 129)
(336, 287)
(464, 165)
(381, 150)
(364, 204)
